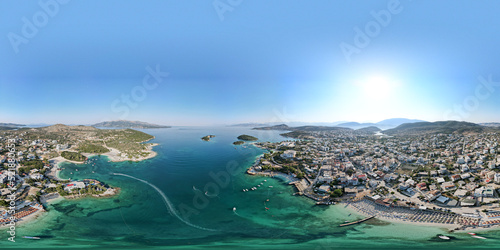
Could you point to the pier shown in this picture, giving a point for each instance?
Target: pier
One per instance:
(356, 222)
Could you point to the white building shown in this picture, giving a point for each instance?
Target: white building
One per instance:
(288, 154)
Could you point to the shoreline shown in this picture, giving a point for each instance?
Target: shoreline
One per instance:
(451, 228)
(114, 155)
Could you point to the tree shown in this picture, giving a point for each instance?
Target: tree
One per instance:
(336, 193)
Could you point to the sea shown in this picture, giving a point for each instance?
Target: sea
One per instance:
(190, 196)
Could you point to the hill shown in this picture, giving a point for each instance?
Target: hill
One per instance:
(11, 125)
(303, 128)
(275, 127)
(247, 138)
(369, 130)
(490, 124)
(127, 124)
(442, 127)
(394, 122)
(356, 125)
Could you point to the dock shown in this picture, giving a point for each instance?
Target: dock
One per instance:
(356, 222)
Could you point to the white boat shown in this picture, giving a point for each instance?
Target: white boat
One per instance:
(478, 237)
(234, 208)
(271, 186)
(444, 237)
(472, 233)
(32, 238)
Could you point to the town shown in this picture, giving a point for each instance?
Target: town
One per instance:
(430, 178)
(30, 164)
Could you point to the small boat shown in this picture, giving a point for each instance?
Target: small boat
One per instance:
(478, 237)
(234, 208)
(31, 238)
(271, 186)
(444, 237)
(265, 180)
(349, 214)
(472, 233)
(346, 221)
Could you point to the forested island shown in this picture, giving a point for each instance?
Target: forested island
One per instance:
(247, 138)
(238, 142)
(208, 137)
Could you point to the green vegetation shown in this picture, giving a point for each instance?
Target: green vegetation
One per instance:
(336, 193)
(238, 142)
(4, 203)
(92, 148)
(208, 137)
(73, 156)
(29, 165)
(127, 141)
(247, 138)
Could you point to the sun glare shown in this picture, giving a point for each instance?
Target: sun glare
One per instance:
(376, 87)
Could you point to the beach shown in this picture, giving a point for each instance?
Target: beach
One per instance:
(455, 222)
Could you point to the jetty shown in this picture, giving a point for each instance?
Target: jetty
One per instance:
(356, 222)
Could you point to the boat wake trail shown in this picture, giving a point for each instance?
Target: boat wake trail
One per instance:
(170, 207)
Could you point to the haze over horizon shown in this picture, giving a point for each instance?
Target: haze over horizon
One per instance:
(263, 62)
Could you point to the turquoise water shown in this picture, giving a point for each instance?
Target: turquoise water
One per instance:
(139, 218)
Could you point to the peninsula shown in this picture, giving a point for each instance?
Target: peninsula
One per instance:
(30, 160)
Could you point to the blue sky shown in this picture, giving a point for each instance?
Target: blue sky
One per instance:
(265, 61)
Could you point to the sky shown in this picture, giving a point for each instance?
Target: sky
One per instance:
(187, 62)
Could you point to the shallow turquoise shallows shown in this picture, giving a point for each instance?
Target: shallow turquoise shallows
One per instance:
(200, 204)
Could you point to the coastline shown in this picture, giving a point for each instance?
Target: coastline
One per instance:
(451, 228)
(114, 155)
(448, 227)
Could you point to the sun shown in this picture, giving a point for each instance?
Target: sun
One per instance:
(377, 87)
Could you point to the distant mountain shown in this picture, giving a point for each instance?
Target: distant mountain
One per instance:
(442, 127)
(369, 130)
(490, 124)
(276, 127)
(250, 125)
(394, 122)
(303, 128)
(127, 124)
(356, 125)
(11, 125)
(385, 124)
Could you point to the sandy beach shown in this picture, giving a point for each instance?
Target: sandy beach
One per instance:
(405, 216)
(115, 155)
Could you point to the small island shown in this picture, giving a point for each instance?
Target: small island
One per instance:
(208, 137)
(247, 138)
(238, 142)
